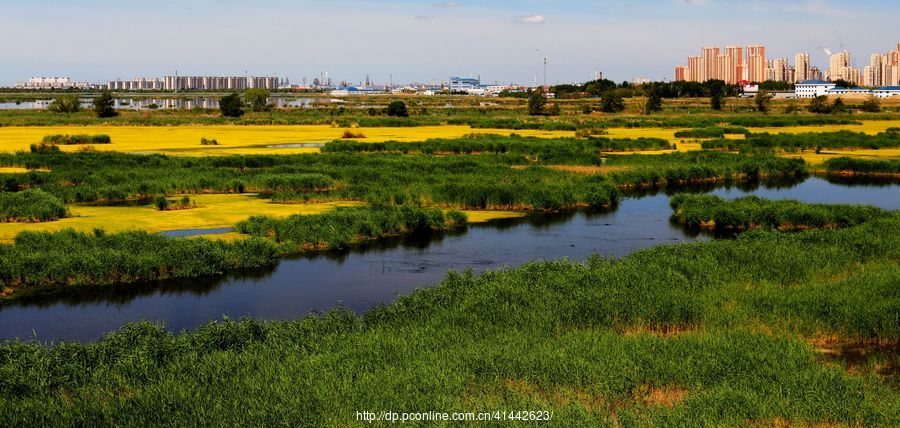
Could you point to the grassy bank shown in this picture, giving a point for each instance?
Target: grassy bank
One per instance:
(670, 336)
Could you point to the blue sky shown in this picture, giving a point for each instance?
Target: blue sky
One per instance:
(423, 41)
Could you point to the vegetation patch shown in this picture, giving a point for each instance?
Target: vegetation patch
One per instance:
(75, 258)
(712, 132)
(348, 134)
(686, 168)
(345, 226)
(809, 141)
(31, 206)
(851, 166)
(66, 139)
(185, 203)
(541, 150)
(708, 211)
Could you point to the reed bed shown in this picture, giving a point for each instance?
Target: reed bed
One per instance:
(31, 206)
(809, 141)
(749, 212)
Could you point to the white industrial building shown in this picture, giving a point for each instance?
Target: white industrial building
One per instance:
(813, 88)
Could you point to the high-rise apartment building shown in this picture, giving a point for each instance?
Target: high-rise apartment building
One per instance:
(837, 64)
(756, 63)
(710, 56)
(779, 70)
(680, 73)
(871, 75)
(695, 69)
(171, 83)
(802, 68)
(729, 65)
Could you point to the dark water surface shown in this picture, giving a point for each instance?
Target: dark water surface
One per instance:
(378, 272)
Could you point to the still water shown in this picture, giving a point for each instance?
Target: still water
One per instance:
(379, 272)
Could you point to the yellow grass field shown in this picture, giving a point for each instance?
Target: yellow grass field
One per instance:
(234, 140)
(216, 211)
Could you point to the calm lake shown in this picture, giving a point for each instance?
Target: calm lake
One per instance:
(378, 272)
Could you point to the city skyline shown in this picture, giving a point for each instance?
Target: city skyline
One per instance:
(501, 42)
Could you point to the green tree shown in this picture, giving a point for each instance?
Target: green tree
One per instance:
(397, 109)
(715, 101)
(104, 105)
(536, 102)
(231, 105)
(838, 106)
(819, 105)
(612, 102)
(871, 105)
(654, 101)
(65, 104)
(762, 101)
(258, 99)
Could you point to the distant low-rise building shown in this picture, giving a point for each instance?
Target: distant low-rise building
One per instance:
(813, 88)
(462, 84)
(886, 91)
(52, 83)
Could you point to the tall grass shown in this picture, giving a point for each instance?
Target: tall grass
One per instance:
(74, 258)
(32, 205)
(484, 181)
(807, 141)
(711, 132)
(542, 150)
(862, 166)
(674, 169)
(348, 225)
(747, 212)
(664, 337)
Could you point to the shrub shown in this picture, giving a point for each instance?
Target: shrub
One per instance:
(348, 134)
(209, 142)
(69, 103)
(161, 202)
(77, 139)
(44, 148)
(397, 109)
(871, 105)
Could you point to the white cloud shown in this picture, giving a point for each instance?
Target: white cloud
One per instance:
(694, 2)
(531, 19)
(447, 4)
(424, 17)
